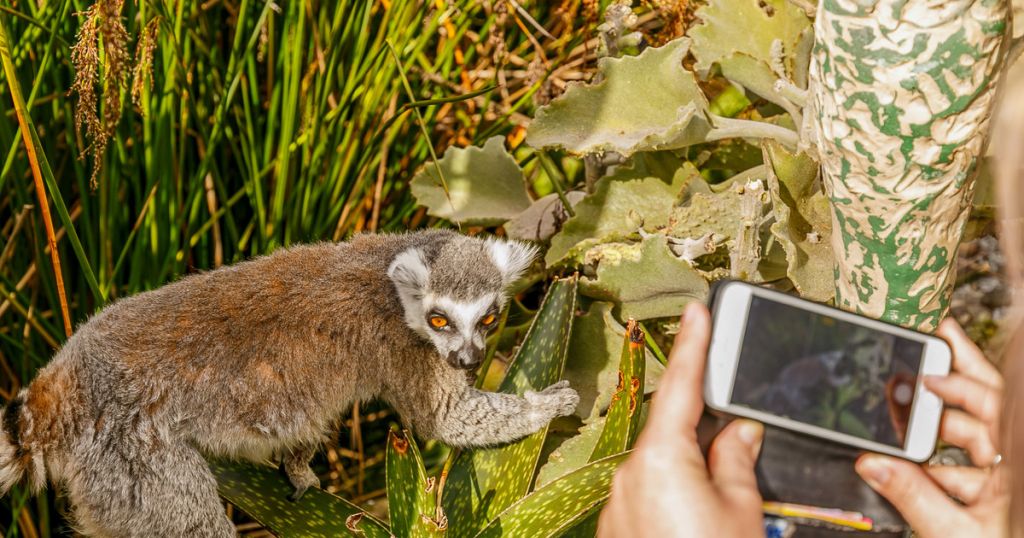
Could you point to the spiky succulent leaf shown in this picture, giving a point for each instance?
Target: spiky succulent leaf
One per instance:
(412, 495)
(485, 185)
(483, 483)
(262, 492)
(593, 363)
(643, 103)
(560, 505)
(572, 454)
(622, 423)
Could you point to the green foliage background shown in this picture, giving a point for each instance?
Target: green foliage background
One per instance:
(244, 126)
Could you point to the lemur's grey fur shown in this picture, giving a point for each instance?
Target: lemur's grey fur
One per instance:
(261, 358)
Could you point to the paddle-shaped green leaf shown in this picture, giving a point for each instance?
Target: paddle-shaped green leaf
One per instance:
(262, 492)
(559, 505)
(645, 279)
(484, 185)
(644, 103)
(640, 194)
(412, 496)
(483, 483)
(622, 423)
(738, 35)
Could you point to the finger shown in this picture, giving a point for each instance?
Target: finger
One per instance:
(610, 522)
(732, 458)
(975, 397)
(963, 430)
(964, 483)
(678, 403)
(967, 358)
(919, 500)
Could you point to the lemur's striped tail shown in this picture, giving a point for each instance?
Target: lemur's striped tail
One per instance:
(16, 461)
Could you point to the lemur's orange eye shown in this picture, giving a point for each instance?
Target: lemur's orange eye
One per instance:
(438, 322)
(488, 319)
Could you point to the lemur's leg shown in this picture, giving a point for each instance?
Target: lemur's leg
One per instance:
(479, 418)
(135, 489)
(296, 465)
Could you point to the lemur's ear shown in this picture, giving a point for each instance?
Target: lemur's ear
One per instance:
(511, 257)
(410, 273)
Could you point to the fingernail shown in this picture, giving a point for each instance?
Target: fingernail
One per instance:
(751, 433)
(874, 470)
(686, 313)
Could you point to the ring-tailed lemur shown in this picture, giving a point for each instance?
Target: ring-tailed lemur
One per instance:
(261, 358)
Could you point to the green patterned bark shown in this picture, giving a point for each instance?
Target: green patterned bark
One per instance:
(901, 93)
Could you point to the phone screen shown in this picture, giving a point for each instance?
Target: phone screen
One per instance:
(826, 372)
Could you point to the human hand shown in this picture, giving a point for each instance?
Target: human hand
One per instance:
(665, 488)
(922, 493)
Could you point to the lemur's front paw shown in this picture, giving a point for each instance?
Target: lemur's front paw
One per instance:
(555, 401)
(301, 477)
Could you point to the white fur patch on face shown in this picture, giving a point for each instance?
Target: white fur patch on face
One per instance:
(511, 257)
(465, 315)
(410, 274)
(409, 271)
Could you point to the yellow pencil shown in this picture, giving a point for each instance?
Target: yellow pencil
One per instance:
(854, 520)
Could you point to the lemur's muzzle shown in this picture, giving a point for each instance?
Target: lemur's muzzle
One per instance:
(466, 358)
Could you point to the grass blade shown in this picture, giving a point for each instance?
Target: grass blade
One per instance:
(33, 151)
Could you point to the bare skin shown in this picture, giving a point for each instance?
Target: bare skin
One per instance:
(924, 494)
(667, 488)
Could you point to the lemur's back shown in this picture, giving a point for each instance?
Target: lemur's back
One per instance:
(253, 350)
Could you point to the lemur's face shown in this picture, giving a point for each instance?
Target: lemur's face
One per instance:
(453, 293)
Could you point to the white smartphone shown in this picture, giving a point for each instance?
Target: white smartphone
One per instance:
(822, 371)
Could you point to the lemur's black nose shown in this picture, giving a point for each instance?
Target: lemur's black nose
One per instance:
(467, 358)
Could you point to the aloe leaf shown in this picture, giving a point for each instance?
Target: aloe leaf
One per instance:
(262, 492)
(803, 221)
(593, 364)
(560, 505)
(485, 186)
(644, 103)
(616, 431)
(483, 483)
(622, 423)
(412, 496)
(645, 279)
(572, 454)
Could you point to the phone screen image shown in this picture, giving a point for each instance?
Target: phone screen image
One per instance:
(827, 372)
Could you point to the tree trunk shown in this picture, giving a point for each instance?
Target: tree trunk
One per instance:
(901, 93)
